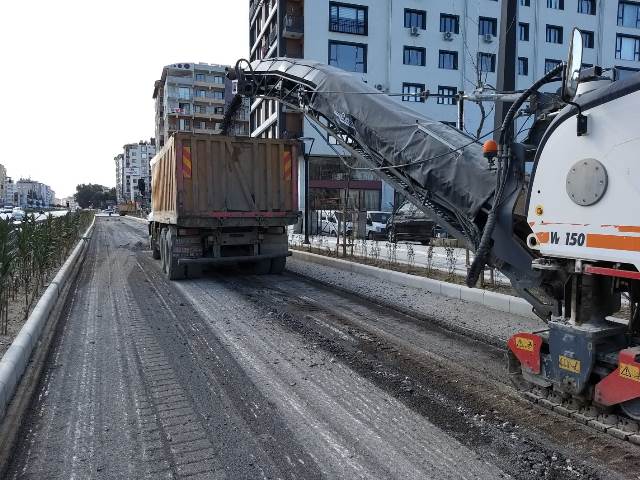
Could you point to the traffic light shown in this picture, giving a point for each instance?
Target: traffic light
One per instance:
(141, 185)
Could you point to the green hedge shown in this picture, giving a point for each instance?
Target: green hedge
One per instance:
(30, 252)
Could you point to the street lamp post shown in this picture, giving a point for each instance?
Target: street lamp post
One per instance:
(306, 185)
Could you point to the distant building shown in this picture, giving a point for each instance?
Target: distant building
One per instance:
(194, 98)
(33, 194)
(3, 181)
(131, 166)
(10, 192)
(119, 160)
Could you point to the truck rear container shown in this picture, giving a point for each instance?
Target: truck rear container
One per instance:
(219, 199)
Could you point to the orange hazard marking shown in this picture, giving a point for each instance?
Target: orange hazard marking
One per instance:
(613, 242)
(286, 171)
(628, 229)
(543, 237)
(186, 162)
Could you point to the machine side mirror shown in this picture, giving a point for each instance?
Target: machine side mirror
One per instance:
(574, 64)
(369, 221)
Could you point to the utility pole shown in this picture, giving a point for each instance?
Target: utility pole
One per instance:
(306, 154)
(506, 58)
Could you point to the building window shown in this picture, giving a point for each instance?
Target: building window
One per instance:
(554, 34)
(523, 31)
(201, 93)
(448, 60)
(415, 18)
(555, 4)
(218, 79)
(345, 18)
(587, 6)
(184, 93)
(550, 64)
(629, 14)
(487, 26)
(414, 56)
(486, 62)
(627, 47)
(523, 66)
(447, 95)
(587, 38)
(200, 77)
(412, 92)
(218, 111)
(525, 3)
(449, 23)
(351, 57)
(625, 72)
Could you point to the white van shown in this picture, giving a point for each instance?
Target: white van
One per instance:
(377, 224)
(329, 223)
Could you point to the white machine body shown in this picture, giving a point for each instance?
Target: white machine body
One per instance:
(583, 198)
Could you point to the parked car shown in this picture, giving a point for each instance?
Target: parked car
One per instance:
(377, 224)
(7, 209)
(18, 214)
(329, 223)
(409, 224)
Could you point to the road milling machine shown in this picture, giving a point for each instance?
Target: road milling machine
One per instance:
(567, 234)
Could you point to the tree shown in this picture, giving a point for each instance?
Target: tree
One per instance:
(94, 195)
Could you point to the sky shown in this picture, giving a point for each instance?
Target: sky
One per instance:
(77, 77)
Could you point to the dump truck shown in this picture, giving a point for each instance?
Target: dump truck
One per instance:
(219, 200)
(127, 208)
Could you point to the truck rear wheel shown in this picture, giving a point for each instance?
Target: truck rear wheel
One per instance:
(277, 265)
(262, 267)
(173, 270)
(163, 249)
(155, 249)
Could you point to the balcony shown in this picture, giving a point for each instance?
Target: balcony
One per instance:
(207, 131)
(293, 26)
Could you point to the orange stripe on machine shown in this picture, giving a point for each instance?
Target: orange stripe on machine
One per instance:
(542, 237)
(613, 242)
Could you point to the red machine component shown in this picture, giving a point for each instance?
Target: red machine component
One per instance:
(526, 347)
(612, 272)
(623, 384)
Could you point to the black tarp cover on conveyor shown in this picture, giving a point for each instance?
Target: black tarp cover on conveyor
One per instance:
(399, 134)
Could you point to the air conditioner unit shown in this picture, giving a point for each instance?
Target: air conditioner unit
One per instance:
(448, 36)
(488, 38)
(415, 31)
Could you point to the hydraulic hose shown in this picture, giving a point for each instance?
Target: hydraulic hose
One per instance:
(504, 155)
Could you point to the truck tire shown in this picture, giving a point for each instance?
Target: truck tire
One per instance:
(277, 265)
(174, 271)
(155, 249)
(262, 267)
(163, 250)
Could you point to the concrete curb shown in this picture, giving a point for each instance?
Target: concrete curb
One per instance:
(16, 358)
(494, 300)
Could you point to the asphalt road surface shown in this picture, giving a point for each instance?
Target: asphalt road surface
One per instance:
(234, 376)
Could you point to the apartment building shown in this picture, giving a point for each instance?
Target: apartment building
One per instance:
(131, 166)
(119, 161)
(410, 47)
(33, 194)
(3, 183)
(10, 192)
(194, 98)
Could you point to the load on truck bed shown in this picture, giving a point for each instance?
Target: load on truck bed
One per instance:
(218, 199)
